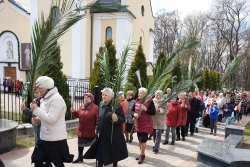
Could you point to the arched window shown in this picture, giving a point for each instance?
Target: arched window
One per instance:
(108, 33)
(142, 10)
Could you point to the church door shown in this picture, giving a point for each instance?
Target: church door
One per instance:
(10, 72)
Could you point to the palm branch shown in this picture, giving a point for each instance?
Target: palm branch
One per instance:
(163, 75)
(163, 70)
(120, 77)
(46, 31)
(193, 74)
(182, 86)
(105, 67)
(120, 80)
(232, 67)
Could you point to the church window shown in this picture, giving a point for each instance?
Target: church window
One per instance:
(142, 10)
(108, 33)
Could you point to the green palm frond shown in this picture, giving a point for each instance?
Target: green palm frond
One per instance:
(163, 70)
(232, 67)
(105, 67)
(120, 77)
(46, 32)
(120, 80)
(182, 86)
(190, 68)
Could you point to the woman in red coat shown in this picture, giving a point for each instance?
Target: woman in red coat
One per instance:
(87, 114)
(17, 87)
(173, 120)
(185, 107)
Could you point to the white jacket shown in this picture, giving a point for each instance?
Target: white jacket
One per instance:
(52, 115)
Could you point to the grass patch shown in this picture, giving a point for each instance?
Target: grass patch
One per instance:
(246, 144)
(27, 142)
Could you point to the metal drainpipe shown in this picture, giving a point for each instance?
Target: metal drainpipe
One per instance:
(91, 42)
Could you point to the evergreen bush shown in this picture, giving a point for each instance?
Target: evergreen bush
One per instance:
(138, 63)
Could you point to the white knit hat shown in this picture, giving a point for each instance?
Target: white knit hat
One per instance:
(45, 82)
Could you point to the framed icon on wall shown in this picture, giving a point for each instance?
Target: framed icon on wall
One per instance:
(25, 53)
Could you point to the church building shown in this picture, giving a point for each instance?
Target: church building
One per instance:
(81, 43)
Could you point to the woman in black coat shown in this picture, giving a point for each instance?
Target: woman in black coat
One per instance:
(105, 150)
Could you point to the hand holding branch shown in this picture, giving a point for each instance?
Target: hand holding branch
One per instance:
(114, 117)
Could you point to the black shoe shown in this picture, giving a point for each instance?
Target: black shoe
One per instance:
(153, 148)
(211, 133)
(214, 134)
(47, 164)
(177, 139)
(172, 143)
(192, 134)
(126, 140)
(183, 139)
(196, 130)
(155, 151)
(79, 159)
(165, 142)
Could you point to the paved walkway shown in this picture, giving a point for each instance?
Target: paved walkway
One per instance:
(182, 154)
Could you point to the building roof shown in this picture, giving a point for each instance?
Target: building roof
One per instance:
(120, 10)
(22, 4)
(110, 1)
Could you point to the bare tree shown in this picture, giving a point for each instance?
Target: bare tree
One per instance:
(229, 18)
(196, 25)
(168, 32)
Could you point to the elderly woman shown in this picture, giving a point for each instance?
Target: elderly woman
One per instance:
(28, 113)
(87, 114)
(143, 110)
(51, 114)
(110, 146)
(159, 119)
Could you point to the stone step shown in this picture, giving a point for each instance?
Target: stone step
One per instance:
(27, 129)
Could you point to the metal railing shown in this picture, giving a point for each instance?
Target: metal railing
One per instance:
(11, 100)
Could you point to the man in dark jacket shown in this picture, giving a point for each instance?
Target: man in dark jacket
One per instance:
(200, 113)
(193, 113)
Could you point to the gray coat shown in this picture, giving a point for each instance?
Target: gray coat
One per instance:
(159, 119)
(129, 113)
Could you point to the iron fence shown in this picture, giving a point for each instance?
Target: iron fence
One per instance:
(11, 99)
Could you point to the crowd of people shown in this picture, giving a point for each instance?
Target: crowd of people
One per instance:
(13, 86)
(106, 129)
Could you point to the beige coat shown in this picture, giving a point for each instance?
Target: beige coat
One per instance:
(52, 115)
(159, 119)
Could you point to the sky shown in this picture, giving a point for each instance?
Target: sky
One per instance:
(184, 6)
